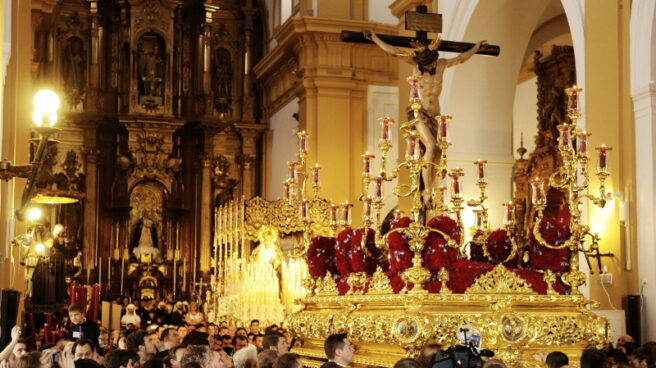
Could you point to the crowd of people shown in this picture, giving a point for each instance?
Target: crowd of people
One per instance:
(177, 335)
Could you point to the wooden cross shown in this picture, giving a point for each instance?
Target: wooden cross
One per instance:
(421, 22)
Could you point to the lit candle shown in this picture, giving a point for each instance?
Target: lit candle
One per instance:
(582, 143)
(385, 129)
(303, 210)
(367, 208)
(441, 193)
(346, 213)
(573, 98)
(415, 91)
(602, 162)
(366, 164)
(539, 196)
(291, 170)
(315, 174)
(509, 217)
(411, 147)
(456, 185)
(333, 214)
(285, 190)
(302, 141)
(378, 189)
(564, 141)
(480, 164)
(479, 219)
(443, 127)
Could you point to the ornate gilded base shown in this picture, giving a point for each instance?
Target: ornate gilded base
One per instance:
(520, 328)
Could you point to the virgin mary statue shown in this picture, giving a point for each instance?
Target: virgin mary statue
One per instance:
(146, 234)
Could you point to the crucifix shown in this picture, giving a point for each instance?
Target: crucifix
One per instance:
(429, 68)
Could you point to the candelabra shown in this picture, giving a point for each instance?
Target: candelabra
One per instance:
(568, 178)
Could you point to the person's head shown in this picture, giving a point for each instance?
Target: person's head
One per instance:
(20, 349)
(240, 342)
(243, 358)
(251, 336)
(130, 308)
(193, 307)
(223, 324)
(624, 339)
(426, 56)
(266, 358)
(339, 349)
(428, 353)
(169, 337)
(29, 360)
(556, 359)
(241, 332)
(83, 349)
(223, 331)
(593, 358)
(120, 358)
(212, 329)
(182, 332)
(289, 360)
(140, 342)
(202, 355)
(258, 341)
(196, 338)
(175, 355)
(276, 342)
(642, 358)
(226, 340)
(76, 314)
(255, 326)
(408, 363)
(494, 363)
(87, 363)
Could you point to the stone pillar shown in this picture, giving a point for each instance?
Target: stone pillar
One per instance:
(249, 150)
(89, 246)
(205, 217)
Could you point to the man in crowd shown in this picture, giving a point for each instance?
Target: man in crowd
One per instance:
(131, 317)
(169, 339)
(83, 329)
(175, 356)
(255, 327)
(339, 351)
(239, 343)
(276, 342)
(289, 360)
(140, 343)
(557, 359)
(202, 355)
(83, 349)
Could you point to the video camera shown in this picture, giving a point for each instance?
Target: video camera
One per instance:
(467, 354)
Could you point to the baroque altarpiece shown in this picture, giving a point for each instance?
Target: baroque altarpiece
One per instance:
(160, 126)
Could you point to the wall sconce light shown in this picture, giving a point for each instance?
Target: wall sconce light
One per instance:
(46, 104)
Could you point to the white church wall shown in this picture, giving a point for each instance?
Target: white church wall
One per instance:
(643, 92)
(382, 101)
(379, 11)
(282, 146)
(525, 115)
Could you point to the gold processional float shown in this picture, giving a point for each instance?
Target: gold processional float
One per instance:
(417, 282)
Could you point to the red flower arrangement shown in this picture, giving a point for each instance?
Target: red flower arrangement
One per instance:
(321, 256)
(343, 252)
(464, 272)
(476, 253)
(436, 252)
(399, 249)
(543, 258)
(396, 281)
(499, 248)
(364, 260)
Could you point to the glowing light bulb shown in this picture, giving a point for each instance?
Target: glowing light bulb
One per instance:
(34, 214)
(46, 101)
(39, 248)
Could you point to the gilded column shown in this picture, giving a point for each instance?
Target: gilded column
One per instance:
(89, 246)
(205, 216)
(249, 134)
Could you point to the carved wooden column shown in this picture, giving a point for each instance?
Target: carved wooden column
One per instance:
(247, 99)
(89, 246)
(249, 145)
(205, 216)
(206, 57)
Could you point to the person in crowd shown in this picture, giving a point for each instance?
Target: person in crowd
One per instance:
(494, 363)
(175, 356)
(408, 363)
(139, 342)
(624, 339)
(593, 358)
(239, 342)
(427, 354)
(266, 358)
(241, 332)
(244, 358)
(339, 351)
(16, 347)
(81, 328)
(289, 360)
(83, 349)
(642, 358)
(556, 359)
(227, 344)
(169, 339)
(194, 317)
(255, 327)
(275, 341)
(177, 317)
(131, 316)
(182, 332)
(202, 355)
(258, 341)
(121, 359)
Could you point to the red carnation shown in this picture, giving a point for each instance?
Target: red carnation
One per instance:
(399, 248)
(544, 258)
(321, 256)
(364, 260)
(343, 252)
(499, 248)
(436, 252)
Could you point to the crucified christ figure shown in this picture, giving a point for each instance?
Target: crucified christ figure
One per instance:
(430, 67)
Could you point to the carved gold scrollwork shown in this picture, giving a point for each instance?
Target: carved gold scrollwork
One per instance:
(500, 280)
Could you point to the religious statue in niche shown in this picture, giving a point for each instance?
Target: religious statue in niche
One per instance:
(151, 69)
(223, 184)
(74, 70)
(145, 235)
(147, 202)
(430, 68)
(221, 79)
